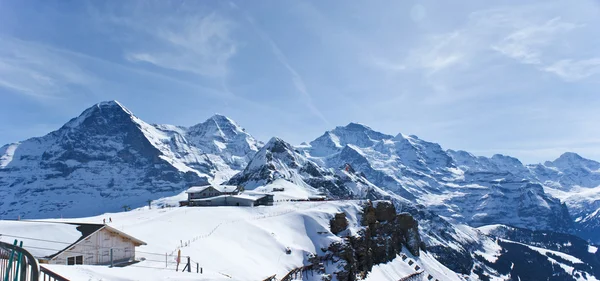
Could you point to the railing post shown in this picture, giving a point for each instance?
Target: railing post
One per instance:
(18, 268)
(189, 266)
(10, 259)
(24, 269)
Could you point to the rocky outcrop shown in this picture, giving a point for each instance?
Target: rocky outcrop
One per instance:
(338, 223)
(381, 239)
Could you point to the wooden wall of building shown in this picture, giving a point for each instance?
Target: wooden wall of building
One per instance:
(96, 249)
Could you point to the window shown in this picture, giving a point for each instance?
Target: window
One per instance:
(204, 194)
(75, 260)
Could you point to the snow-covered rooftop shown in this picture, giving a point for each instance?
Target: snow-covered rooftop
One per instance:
(220, 188)
(44, 239)
(249, 197)
(41, 239)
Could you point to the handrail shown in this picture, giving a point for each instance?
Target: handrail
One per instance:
(31, 261)
(52, 274)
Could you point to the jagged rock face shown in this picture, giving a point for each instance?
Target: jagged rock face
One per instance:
(571, 170)
(575, 181)
(338, 223)
(455, 184)
(107, 158)
(437, 233)
(222, 136)
(381, 240)
(96, 162)
(533, 264)
(279, 160)
(589, 226)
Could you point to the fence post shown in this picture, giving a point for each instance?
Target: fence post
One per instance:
(111, 257)
(25, 267)
(166, 261)
(197, 267)
(10, 259)
(189, 266)
(18, 268)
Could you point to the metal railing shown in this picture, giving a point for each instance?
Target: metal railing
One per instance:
(17, 264)
(48, 275)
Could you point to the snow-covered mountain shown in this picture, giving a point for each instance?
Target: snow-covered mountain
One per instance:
(279, 160)
(576, 181)
(107, 158)
(457, 185)
(221, 136)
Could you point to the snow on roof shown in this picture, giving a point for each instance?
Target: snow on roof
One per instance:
(47, 239)
(220, 188)
(209, 198)
(244, 196)
(41, 239)
(253, 196)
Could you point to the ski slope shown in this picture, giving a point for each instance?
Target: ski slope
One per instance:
(237, 242)
(228, 243)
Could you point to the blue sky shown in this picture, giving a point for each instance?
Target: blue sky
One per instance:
(513, 77)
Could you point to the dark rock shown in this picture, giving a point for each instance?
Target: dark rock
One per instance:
(338, 223)
(380, 241)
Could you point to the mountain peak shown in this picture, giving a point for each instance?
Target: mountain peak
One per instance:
(109, 103)
(570, 156)
(101, 112)
(276, 144)
(357, 127)
(218, 126)
(571, 160)
(219, 118)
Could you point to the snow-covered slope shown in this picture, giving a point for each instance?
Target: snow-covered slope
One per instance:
(457, 185)
(576, 181)
(278, 160)
(230, 243)
(221, 136)
(542, 255)
(107, 158)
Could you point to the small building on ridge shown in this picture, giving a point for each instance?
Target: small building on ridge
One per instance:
(225, 195)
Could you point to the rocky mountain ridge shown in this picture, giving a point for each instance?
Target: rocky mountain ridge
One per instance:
(107, 159)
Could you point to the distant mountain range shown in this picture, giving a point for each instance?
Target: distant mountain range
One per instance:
(107, 159)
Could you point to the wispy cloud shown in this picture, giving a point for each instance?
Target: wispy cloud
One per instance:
(440, 52)
(527, 43)
(573, 70)
(187, 39)
(518, 33)
(196, 44)
(297, 79)
(37, 70)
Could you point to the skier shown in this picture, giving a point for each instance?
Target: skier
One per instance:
(109, 219)
(104, 221)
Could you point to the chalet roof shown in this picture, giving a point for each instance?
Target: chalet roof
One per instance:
(248, 197)
(45, 239)
(220, 188)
